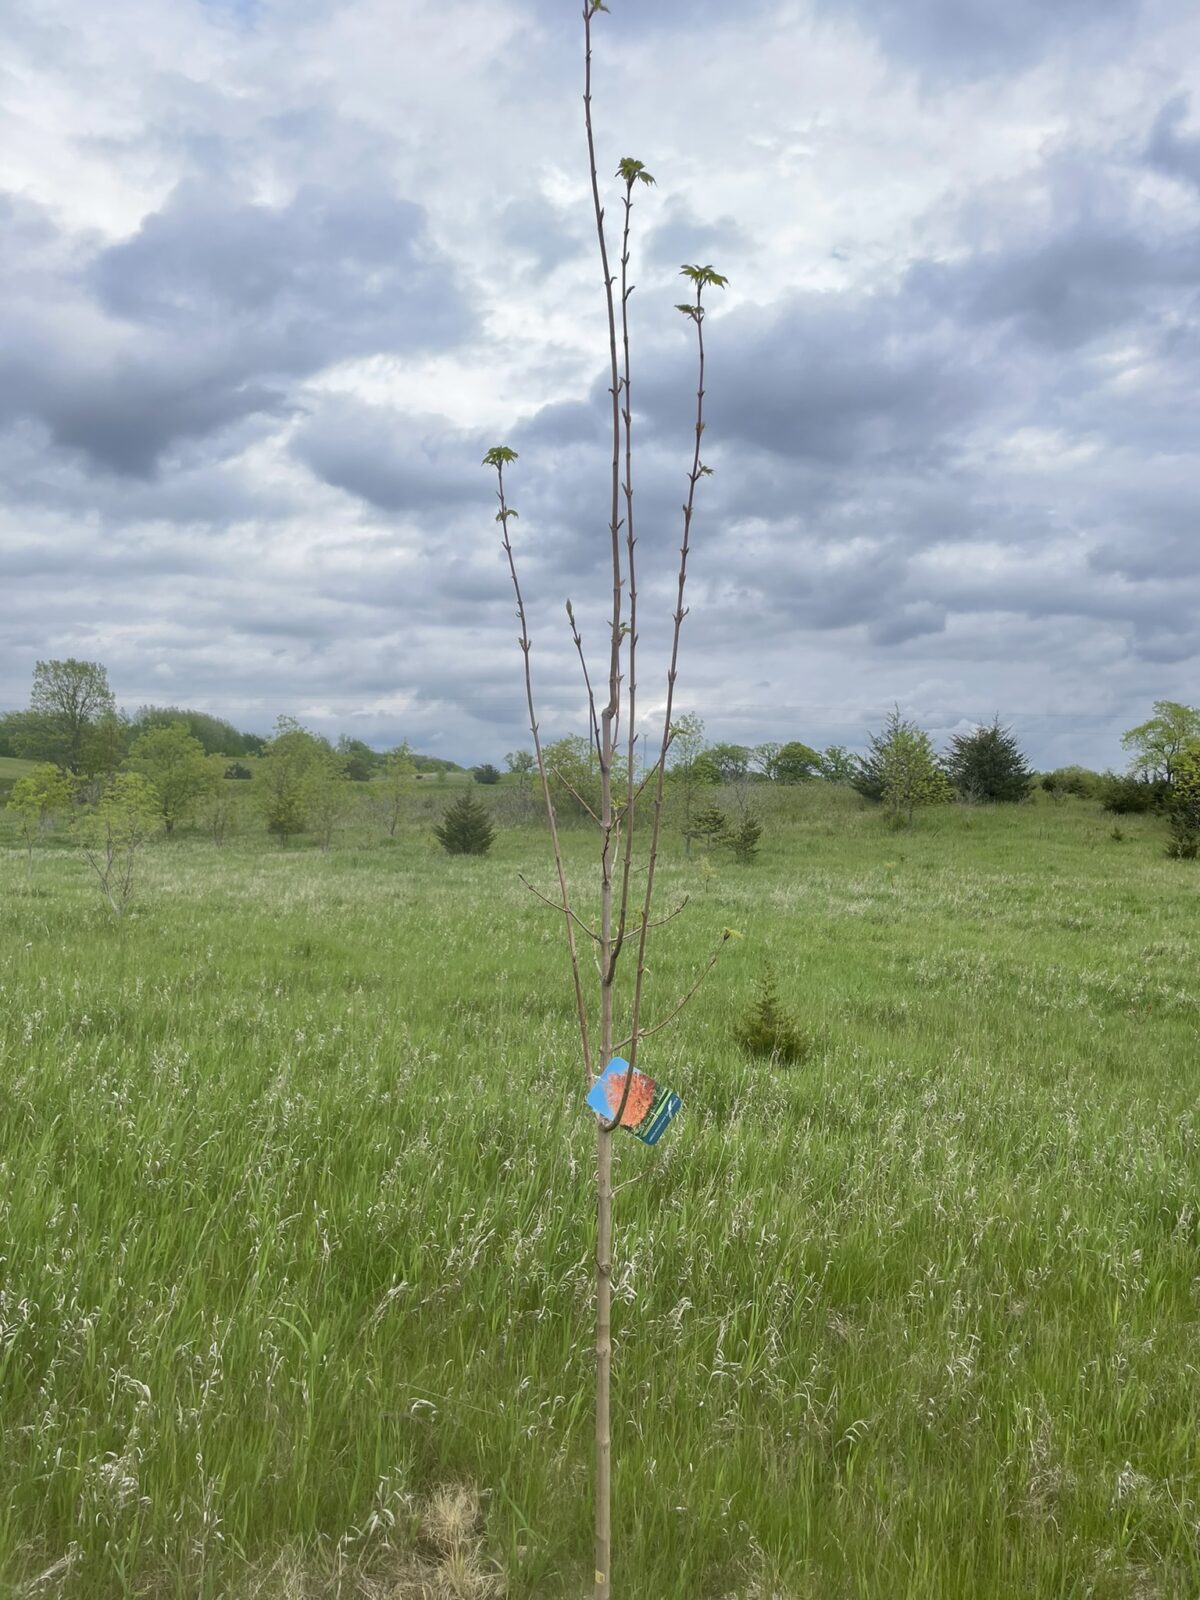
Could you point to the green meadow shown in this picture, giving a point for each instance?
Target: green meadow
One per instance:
(296, 1220)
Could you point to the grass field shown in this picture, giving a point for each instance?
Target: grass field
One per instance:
(295, 1222)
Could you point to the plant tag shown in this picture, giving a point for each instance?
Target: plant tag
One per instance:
(649, 1108)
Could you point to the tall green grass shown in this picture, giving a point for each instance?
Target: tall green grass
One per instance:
(296, 1218)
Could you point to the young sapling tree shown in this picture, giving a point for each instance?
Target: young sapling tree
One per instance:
(615, 810)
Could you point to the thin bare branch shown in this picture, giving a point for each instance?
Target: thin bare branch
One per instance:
(574, 793)
(594, 725)
(580, 1006)
(556, 905)
(648, 1033)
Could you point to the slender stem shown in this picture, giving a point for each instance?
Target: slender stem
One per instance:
(661, 765)
(603, 1507)
(593, 725)
(630, 542)
(580, 1007)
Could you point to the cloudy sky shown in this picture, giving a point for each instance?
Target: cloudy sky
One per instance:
(274, 273)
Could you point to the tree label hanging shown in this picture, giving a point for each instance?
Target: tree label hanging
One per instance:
(649, 1106)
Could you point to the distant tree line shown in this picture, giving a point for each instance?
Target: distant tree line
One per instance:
(80, 742)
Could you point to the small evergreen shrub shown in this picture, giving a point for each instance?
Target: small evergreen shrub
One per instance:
(770, 1028)
(709, 827)
(465, 829)
(743, 840)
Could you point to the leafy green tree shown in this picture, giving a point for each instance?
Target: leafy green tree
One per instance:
(1184, 811)
(763, 758)
(391, 788)
(837, 764)
(113, 833)
(868, 776)
(329, 796)
(730, 762)
(520, 762)
(359, 762)
(289, 772)
(486, 773)
(176, 765)
(987, 765)
(215, 734)
(687, 773)
(911, 775)
(573, 773)
(465, 829)
(217, 805)
(1156, 746)
(36, 799)
(67, 699)
(105, 745)
(1078, 781)
(797, 763)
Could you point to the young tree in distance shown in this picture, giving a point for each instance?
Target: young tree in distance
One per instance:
(797, 763)
(911, 774)
(105, 745)
(218, 805)
(329, 794)
(520, 762)
(763, 758)
(465, 828)
(36, 799)
(1184, 811)
(612, 722)
(391, 788)
(730, 762)
(176, 765)
(67, 699)
(113, 834)
(688, 776)
(1156, 746)
(987, 765)
(290, 769)
(837, 764)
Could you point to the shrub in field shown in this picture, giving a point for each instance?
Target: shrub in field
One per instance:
(465, 829)
(36, 799)
(911, 774)
(769, 1028)
(710, 827)
(1077, 781)
(1184, 843)
(1127, 795)
(113, 834)
(837, 764)
(743, 839)
(292, 766)
(486, 773)
(796, 763)
(391, 788)
(176, 765)
(987, 765)
(217, 807)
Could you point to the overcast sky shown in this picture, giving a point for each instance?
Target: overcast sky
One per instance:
(275, 273)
